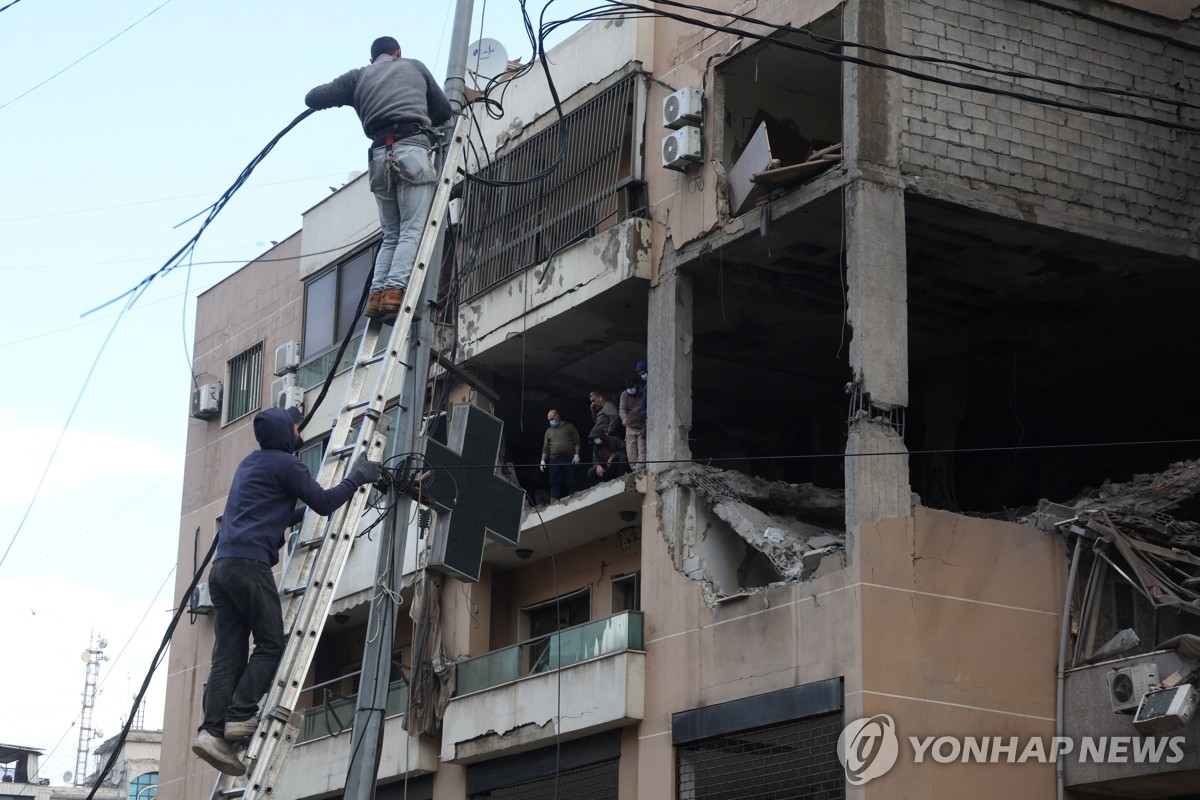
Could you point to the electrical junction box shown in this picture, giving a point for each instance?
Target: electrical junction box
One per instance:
(201, 601)
(1128, 685)
(681, 149)
(683, 107)
(1166, 710)
(287, 358)
(206, 401)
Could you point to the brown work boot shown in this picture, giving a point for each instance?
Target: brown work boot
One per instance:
(373, 304)
(392, 300)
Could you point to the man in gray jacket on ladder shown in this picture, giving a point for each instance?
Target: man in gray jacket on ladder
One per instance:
(398, 103)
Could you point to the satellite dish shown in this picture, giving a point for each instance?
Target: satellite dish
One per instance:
(486, 58)
(67, 776)
(99, 734)
(86, 655)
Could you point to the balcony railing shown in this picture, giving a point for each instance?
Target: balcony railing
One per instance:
(508, 228)
(329, 717)
(603, 637)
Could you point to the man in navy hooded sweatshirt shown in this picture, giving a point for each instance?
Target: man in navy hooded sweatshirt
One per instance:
(260, 507)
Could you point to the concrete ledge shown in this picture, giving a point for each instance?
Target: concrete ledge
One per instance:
(318, 767)
(579, 700)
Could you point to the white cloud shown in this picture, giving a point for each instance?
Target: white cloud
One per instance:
(83, 457)
(48, 625)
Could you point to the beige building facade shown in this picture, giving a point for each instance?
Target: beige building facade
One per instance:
(884, 312)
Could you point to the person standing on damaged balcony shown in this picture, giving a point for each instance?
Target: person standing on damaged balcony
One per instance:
(260, 507)
(398, 103)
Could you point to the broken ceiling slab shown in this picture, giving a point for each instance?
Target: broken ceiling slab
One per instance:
(784, 523)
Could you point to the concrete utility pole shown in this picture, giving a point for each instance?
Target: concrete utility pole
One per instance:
(366, 740)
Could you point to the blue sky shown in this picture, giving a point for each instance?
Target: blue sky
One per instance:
(99, 164)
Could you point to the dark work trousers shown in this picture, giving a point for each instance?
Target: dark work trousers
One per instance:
(245, 601)
(562, 476)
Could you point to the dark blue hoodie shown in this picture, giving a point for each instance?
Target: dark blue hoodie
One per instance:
(265, 489)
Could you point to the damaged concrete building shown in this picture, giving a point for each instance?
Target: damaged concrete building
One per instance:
(885, 312)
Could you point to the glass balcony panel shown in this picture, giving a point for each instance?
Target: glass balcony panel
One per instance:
(569, 646)
(338, 716)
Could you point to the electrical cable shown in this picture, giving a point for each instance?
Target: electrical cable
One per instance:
(10, 5)
(558, 671)
(176, 260)
(155, 662)
(107, 42)
(639, 12)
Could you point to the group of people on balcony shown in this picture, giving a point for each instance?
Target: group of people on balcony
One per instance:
(612, 455)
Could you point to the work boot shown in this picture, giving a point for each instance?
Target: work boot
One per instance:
(218, 753)
(393, 299)
(373, 304)
(236, 731)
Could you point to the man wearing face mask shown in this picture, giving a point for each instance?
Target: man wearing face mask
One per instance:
(260, 507)
(560, 452)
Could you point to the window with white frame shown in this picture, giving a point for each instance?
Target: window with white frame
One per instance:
(243, 381)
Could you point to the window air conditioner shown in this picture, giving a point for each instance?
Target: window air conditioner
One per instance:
(1128, 685)
(201, 601)
(681, 149)
(206, 401)
(287, 358)
(682, 108)
(285, 392)
(1166, 709)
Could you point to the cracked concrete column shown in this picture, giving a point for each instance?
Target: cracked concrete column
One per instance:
(669, 403)
(876, 486)
(669, 361)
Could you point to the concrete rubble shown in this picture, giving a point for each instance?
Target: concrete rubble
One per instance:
(794, 527)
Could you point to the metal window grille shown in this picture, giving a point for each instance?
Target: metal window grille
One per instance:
(777, 762)
(245, 382)
(507, 229)
(593, 782)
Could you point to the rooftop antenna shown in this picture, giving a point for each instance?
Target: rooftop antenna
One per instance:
(92, 656)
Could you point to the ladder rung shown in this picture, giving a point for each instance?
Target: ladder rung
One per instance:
(233, 791)
(358, 404)
(311, 544)
(345, 449)
(295, 590)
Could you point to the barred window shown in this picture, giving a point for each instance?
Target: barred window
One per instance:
(593, 782)
(245, 382)
(595, 184)
(775, 762)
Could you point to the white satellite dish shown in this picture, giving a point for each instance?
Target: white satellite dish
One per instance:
(486, 58)
(67, 776)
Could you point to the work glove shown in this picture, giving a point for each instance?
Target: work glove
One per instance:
(366, 471)
(575, 460)
(542, 466)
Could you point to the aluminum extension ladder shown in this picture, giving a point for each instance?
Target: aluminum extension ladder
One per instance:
(311, 574)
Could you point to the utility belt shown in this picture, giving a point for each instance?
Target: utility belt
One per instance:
(396, 132)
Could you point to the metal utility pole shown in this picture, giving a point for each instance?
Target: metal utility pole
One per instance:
(366, 740)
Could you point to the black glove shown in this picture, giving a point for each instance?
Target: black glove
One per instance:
(366, 471)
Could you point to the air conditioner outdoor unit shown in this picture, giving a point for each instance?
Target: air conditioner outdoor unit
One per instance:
(1128, 685)
(287, 358)
(1166, 709)
(201, 601)
(681, 149)
(285, 392)
(683, 107)
(206, 401)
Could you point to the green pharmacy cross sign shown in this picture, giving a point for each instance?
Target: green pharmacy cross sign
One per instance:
(472, 501)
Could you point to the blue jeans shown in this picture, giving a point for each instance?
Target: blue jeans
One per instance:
(245, 601)
(402, 208)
